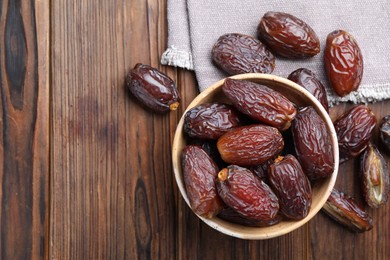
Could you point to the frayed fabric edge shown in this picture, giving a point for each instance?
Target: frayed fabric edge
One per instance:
(178, 58)
(370, 94)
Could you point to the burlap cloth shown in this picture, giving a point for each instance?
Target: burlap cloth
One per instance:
(195, 25)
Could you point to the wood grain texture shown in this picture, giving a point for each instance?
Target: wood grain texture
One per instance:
(113, 194)
(24, 129)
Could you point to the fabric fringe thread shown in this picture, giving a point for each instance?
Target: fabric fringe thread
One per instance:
(178, 58)
(368, 94)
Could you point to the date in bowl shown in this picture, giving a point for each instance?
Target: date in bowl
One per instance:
(321, 188)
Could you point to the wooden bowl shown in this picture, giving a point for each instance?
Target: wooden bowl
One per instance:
(321, 189)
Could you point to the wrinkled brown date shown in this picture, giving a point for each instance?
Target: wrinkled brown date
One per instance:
(250, 145)
(347, 212)
(152, 88)
(384, 131)
(291, 186)
(374, 176)
(307, 79)
(343, 62)
(237, 53)
(200, 172)
(260, 103)
(354, 129)
(313, 144)
(233, 216)
(287, 35)
(210, 121)
(246, 194)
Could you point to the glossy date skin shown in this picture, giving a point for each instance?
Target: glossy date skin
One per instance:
(307, 79)
(313, 144)
(374, 177)
(152, 88)
(242, 191)
(210, 121)
(200, 172)
(343, 62)
(233, 216)
(291, 186)
(354, 129)
(250, 145)
(384, 131)
(237, 53)
(288, 36)
(260, 103)
(347, 212)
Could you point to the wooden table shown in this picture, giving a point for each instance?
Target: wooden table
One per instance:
(86, 172)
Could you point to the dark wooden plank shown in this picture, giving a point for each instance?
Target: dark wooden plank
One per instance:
(24, 129)
(113, 190)
(88, 174)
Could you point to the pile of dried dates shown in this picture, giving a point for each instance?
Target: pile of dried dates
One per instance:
(253, 160)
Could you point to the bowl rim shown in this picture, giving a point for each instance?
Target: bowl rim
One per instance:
(293, 225)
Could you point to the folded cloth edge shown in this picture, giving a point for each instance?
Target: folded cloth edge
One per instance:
(178, 58)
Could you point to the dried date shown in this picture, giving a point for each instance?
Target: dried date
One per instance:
(313, 144)
(374, 177)
(237, 53)
(384, 131)
(260, 103)
(210, 120)
(233, 216)
(291, 186)
(307, 79)
(287, 35)
(152, 88)
(343, 62)
(354, 129)
(200, 172)
(246, 194)
(250, 145)
(346, 211)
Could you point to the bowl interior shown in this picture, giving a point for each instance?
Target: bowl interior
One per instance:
(321, 189)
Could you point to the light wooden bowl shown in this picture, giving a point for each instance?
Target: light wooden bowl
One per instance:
(321, 189)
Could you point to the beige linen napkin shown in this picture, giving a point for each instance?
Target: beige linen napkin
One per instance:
(195, 25)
